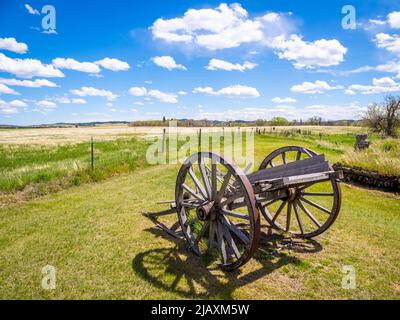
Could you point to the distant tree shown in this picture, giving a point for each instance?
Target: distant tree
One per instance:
(279, 121)
(163, 119)
(316, 121)
(385, 117)
(260, 122)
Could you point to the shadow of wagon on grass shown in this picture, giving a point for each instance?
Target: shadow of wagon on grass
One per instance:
(177, 269)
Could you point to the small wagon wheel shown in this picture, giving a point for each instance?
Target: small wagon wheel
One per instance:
(308, 210)
(207, 186)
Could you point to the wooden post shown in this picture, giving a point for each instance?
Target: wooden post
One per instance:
(200, 139)
(91, 153)
(163, 142)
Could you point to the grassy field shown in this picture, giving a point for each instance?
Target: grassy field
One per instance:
(27, 171)
(102, 247)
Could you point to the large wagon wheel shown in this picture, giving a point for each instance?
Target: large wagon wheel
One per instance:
(206, 187)
(308, 210)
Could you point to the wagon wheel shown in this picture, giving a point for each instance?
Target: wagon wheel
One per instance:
(207, 186)
(307, 210)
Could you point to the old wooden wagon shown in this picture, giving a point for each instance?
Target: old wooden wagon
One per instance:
(218, 206)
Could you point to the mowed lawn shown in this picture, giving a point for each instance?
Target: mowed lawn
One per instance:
(102, 247)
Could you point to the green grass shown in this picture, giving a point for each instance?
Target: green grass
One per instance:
(382, 156)
(42, 169)
(102, 247)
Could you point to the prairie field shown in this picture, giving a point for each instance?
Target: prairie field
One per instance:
(55, 210)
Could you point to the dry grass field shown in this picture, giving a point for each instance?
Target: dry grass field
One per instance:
(74, 135)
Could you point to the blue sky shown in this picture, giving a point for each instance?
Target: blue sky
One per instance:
(132, 60)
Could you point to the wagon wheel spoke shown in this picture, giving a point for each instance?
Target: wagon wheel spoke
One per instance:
(308, 213)
(221, 243)
(222, 190)
(197, 183)
(213, 181)
(203, 230)
(205, 179)
(235, 214)
(288, 216)
(231, 199)
(278, 212)
(192, 192)
(307, 152)
(271, 164)
(244, 238)
(270, 202)
(316, 205)
(298, 217)
(211, 236)
(284, 157)
(231, 243)
(319, 194)
(191, 205)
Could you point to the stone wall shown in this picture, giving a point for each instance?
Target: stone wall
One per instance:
(368, 178)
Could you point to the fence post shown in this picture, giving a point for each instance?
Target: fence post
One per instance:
(163, 142)
(200, 139)
(91, 152)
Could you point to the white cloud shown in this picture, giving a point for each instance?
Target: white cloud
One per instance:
(11, 107)
(167, 62)
(72, 64)
(313, 87)
(46, 104)
(389, 42)
(182, 93)
(380, 85)
(238, 91)
(11, 44)
(377, 22)
(394, 19)
(30, 9)
(217, 64)
(229, 26)
(66, 100)
(283, 100)
(37, 83)
(163, 96)
(349, 92)
(138, 103)
(113, 64)
(138, 91)
(304, 54)
(6, 90)
(157, 94)
(390, 67)
(28, 68)
(328, 112)
(226, 26)
(93, 92)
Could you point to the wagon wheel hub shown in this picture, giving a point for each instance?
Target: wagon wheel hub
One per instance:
(292, 194)
(206, 212)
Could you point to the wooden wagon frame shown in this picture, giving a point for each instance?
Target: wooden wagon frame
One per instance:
(218, 205)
